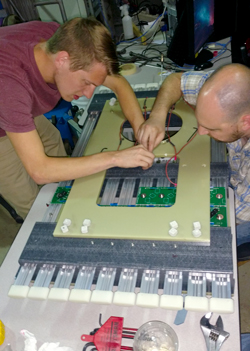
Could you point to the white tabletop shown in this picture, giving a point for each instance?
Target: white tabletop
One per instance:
(65, 322)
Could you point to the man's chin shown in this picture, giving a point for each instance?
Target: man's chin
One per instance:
(226, 141)
(67, 98)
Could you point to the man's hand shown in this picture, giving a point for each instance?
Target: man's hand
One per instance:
(134, 157)
(151, 133)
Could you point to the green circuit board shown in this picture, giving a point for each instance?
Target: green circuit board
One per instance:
(156, 196)
(165, 197)
(61, 195)
(218, 206)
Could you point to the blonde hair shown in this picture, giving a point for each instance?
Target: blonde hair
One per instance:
(86, 40)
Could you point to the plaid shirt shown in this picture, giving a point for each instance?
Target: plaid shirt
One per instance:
(239, 157)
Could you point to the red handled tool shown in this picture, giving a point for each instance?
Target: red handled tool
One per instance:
(109, 336)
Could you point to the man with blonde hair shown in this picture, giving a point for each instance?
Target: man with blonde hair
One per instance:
(39, 64)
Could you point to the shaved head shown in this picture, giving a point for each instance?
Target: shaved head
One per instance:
(230, 85)
(223, 104)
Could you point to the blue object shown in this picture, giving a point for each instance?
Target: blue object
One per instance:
(164, 28)
(245, 342)
(61, 108)
(62, 112)
(3, 14)
(63, 127)
(243, 233)
(180, 317)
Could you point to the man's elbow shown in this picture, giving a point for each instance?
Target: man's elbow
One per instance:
(39, 176)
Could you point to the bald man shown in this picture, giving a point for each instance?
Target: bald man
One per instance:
(222, 100)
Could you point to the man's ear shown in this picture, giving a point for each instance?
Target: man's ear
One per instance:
(61, 58)
(245, 123)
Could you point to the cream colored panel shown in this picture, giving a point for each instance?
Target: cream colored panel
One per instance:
(192, 197)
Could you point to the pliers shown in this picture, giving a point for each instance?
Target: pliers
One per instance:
(214, 335)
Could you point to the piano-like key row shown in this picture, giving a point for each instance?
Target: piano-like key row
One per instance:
(82, 290)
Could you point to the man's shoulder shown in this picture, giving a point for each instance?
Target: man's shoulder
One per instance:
(197, 75)
(41, 24)
(28, 31)
(191, 83)
(48, 28)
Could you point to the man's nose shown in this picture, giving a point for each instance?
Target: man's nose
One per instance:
(202, 130)
(89, 91)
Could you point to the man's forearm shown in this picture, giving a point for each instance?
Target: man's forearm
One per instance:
(127, 99)
(65, 168)
(131, 108)
(168, 95)
(55, 169)
(43, 169)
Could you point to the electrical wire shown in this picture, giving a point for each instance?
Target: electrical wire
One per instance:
(168, 136)
(177, 153)
(153, 49)
(138, 12)
(152, 38)
(131, 40)
(169, 117)
(121, 127)
(120, 135)
(145, 108)
(213, 59)
(87, 345)
(222, 58)
(160, 17)
(127, 46)
(146, 59)
(190, 139)
(221, 52)
(152, 6)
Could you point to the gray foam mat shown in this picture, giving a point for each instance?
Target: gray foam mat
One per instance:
(42, 247)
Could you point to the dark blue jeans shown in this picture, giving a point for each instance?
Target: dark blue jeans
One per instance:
(243, 234)
(245, 342)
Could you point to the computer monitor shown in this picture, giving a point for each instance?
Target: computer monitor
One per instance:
(195, 26)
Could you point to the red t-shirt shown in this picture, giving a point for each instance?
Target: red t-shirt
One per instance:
(23, 92)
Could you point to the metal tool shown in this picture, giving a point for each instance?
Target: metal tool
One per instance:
(214, 335)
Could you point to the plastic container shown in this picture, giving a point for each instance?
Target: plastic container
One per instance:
(127, 23)
(2, 333)
(155, 336)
